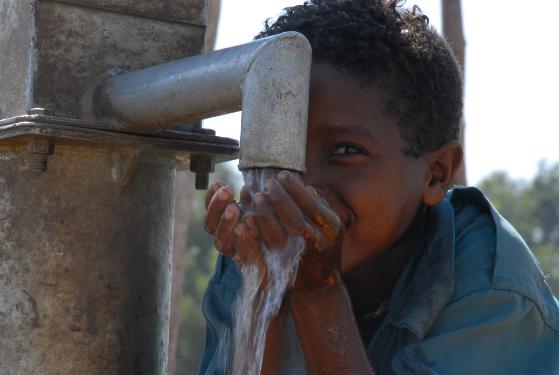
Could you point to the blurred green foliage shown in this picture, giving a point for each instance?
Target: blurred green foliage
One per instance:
(199, 264)
(531, 206)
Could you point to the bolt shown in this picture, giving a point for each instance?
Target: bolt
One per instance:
(39, 150)
(201, 180)
(201, 165)
(39, 162)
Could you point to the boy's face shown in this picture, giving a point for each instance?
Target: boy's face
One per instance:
(355, 159)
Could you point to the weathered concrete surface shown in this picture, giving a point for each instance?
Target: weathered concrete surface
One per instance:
(55, 52)
(85, 248)
(77, 45)
(187, 11)
(85, 253)
(16, 63)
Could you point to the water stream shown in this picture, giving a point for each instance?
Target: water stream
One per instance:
(256, 303)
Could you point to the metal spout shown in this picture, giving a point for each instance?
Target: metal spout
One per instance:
(267, 78)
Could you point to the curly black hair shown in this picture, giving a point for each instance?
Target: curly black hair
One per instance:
(383, 44)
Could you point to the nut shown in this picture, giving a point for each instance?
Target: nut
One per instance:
(43, 146)
(201, 163)
(39, 149)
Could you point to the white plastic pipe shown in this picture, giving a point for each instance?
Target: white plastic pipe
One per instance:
(267, 78)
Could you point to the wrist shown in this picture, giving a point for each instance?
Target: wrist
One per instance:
(312, 304)
(308, 288)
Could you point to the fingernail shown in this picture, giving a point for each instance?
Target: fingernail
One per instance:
(269, 184)
(229, 214)
(250, 222)
(223, 195)
(283, 176)
(259, 198)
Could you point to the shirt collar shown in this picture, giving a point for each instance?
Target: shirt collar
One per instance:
(427, 283)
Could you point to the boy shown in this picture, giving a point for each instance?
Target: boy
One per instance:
(398, 276)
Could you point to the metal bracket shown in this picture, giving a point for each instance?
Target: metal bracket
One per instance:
(178, 144)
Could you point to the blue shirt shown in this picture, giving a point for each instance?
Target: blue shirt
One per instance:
(473, 300)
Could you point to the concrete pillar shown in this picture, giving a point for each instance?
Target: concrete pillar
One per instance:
(85, 262)
(85, 245)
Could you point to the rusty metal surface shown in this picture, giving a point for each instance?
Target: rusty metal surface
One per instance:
(85, 262)
(187, 11)
(179, 146)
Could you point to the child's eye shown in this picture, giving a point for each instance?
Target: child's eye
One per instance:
(348, 150)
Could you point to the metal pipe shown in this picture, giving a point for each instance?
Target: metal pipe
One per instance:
(269, 78)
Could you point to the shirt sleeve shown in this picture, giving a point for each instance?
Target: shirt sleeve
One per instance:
(218, 300)
(216, 306)
(486, 332)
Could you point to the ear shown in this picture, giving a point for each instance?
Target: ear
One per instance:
(442, 166)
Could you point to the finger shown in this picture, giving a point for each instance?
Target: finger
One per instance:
(212, 190)
(247, 243)
(245, 195)
(319, 213)
(292, 217)
(223, 239)
(217, 205)
(285, 208)
(270, 228)
(311, 191)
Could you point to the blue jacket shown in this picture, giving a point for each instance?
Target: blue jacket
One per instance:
(472, 301)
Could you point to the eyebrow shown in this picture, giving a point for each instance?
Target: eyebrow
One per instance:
(355, 131)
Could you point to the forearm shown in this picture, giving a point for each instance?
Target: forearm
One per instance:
(274, 351)
(327, 331)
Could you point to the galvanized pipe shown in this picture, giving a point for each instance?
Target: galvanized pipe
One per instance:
(268, 78)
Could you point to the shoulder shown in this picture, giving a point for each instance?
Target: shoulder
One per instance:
(491, 256)
(487, 332)
(475, 243)
(501, 316)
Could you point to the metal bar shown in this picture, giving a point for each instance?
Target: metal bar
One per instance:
(268, 78)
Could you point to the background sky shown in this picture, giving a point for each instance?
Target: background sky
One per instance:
(512, 78)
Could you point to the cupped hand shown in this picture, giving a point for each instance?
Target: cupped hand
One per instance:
(286, 207)
(300, 210)
(235, 235)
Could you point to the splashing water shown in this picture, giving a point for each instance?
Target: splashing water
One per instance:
(257, 303)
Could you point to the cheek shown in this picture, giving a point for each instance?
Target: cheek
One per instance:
(382, 221)
(386, 213)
